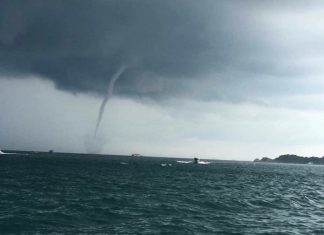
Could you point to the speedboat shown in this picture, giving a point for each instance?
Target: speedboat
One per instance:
(2, 153)
(136, 155)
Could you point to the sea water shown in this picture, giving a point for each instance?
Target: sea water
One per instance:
(80, 194)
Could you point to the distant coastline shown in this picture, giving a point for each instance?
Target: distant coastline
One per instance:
(286, 158)
(292, 158)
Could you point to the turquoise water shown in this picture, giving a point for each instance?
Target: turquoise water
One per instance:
(123, 195)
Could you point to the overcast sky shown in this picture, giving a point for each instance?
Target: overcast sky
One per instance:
(214, 79)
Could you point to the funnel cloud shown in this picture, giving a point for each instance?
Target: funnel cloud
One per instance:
(109, 94)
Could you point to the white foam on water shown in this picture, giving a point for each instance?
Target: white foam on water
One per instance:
(199, 162)
(184, 162)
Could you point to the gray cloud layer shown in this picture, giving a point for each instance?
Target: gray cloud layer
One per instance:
(79, 44)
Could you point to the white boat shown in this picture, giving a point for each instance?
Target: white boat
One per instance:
(136, 155)
(2, 153)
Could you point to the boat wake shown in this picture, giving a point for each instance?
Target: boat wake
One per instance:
(194, 162)
(184, 162)
(203, 162)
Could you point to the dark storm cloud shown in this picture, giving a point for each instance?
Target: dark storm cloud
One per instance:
(79, 44)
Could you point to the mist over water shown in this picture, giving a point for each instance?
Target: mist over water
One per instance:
(94, 143)
(75, 194)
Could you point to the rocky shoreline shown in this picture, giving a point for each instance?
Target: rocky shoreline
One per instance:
(291, 158)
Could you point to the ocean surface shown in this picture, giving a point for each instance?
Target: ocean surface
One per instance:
(80, 194)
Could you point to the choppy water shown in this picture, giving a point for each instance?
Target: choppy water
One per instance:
(120, 195)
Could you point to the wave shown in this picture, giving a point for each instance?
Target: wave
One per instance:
(166, 164)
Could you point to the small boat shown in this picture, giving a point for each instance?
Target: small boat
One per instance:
(198, 161)
(2, 153)
(136, 155)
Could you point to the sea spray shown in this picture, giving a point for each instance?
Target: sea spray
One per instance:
(94, 144)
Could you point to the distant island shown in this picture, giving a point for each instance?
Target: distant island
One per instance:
(291, 158)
